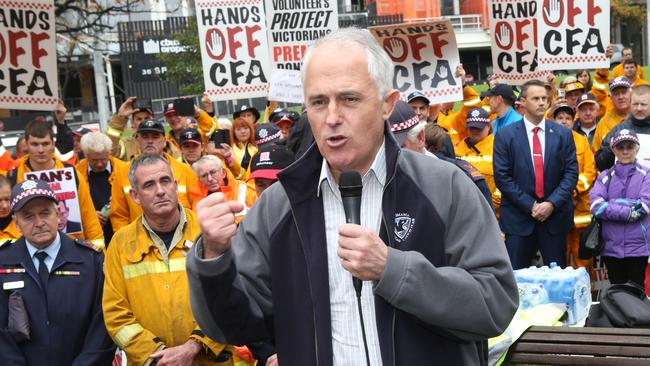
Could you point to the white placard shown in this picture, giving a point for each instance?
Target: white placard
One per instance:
(286, 86)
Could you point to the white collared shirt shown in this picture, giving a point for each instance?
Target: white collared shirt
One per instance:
(52, 251)
(108, 167)
(347, 339)
(529, 132)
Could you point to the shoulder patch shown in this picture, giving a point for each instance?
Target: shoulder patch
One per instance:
(88, 245)
(6, 243)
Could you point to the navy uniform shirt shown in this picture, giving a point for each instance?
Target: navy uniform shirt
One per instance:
(65, 316)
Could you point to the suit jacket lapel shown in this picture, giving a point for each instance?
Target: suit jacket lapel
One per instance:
(523, 138)
(550, 142)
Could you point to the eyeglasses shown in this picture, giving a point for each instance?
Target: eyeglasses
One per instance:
(214, 173)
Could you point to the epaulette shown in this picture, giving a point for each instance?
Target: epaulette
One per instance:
(5, 243)
(88, 245)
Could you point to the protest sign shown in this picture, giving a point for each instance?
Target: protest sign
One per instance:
(425, 57)
(572, 34)
(234, 48)
(64, 184)
(643, 156)
(28, 71)
(294, 25)
(286, 86)
(513, 28)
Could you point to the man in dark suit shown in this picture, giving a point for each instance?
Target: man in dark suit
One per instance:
(535, 168)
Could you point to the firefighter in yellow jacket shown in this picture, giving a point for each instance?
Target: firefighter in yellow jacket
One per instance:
(125, 147)
(617, 107)
(477, 149)
(151, 137)
(40, 147)
(587, 174)
(205, 124)
(146, 302)
(8, 229)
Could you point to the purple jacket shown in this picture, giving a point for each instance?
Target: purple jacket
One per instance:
(611, 202)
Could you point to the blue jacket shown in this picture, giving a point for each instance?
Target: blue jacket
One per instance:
(509, 118)
(65, 318)
(514, 176)
(446, 287)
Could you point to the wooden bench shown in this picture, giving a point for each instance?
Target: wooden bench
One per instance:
(581, 346)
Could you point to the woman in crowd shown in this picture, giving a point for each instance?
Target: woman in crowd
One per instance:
(584, 77)
(242, 140)
(8, 230)
(620, 198)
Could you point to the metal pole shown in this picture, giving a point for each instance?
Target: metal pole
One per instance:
(100, 89)
(111, 87)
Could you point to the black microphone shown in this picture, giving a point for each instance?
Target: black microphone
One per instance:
(350, 187)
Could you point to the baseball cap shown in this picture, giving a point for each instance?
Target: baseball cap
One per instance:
(478, 118)
(27, 191)
(576, 85)
(151, 126)
(586, 98)
(501, 90)
(245, 108)
(402, 120)
(415, 95)
(81, 131)
(190, 135)
(564, 108)
(624, 135)
(619, 82)
(266, 134)
(169, 109)
(268, 162)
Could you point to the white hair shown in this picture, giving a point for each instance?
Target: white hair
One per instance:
(224, 123)
(197, 164)
(96, 142)
(380, 67)
(412, 134)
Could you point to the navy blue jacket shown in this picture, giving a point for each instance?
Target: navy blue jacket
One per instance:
(514, 176)
(66, 322)
(447, 285)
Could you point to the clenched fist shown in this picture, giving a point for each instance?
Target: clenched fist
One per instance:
(217, 219)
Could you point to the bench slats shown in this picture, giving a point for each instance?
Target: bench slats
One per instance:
(573, 349)
(586, 339)
(590, 330)
(531, 358)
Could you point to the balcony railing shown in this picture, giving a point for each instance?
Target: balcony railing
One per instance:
(461, 23)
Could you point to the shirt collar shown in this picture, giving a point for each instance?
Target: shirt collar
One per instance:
(530, 125)
(377, 170)
(52, 250)
(178, 234)
(108, 167)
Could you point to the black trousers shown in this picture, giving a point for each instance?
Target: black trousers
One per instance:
(621, 270)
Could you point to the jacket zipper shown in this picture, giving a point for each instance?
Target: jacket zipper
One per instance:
(311, 293)
(383, 218)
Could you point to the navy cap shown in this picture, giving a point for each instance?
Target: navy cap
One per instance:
(415, 95)
(586, 98)
(266, 134)
(619, 82)
(268, 162)
(564, 108)
(402, 120)
(190, 135)
(245, 108)
(169, 109)
(478, 118)
(151, 126)
(81, 131)
(276, 113)
(501, 90)
(624, 135)
(28, 190)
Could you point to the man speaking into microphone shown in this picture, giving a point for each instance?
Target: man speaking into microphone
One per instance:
(436, 279)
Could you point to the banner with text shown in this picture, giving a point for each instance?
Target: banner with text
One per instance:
(234, 48)
(513, 27)
(572, 34)
(425, 57)
(28, 68)
(294, 25)
(64, 184)
(286, 86)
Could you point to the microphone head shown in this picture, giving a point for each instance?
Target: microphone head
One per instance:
(350, 184)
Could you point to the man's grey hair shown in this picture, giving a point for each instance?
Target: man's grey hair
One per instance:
(96, 142)
(197, 164)
(380, 67)
(146, 160)
(412, 134)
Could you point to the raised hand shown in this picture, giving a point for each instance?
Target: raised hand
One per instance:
(552, 11)
(395, 49)
(126, 109)
(503, 35)
(214, 44)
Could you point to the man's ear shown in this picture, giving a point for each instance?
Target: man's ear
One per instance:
(134, 196)
(389, 102)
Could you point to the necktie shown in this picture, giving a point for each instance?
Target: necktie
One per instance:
(538, 158)
(43, 272)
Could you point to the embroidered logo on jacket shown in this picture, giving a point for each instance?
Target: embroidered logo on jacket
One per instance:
(404, 224)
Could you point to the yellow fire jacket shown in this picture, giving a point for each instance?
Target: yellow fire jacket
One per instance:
(480, 156)
(587, 174)
(92, 230)
(455, 122)
(146, 301)
(11, 232)
(124, 210)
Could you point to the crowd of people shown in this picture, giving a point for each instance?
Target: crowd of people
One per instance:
(545, 157)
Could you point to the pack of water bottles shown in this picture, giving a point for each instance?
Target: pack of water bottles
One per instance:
(543, 285)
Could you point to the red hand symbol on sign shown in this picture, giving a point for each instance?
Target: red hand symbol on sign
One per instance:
(553, 12)
(215, 44)
(395, 49)
(503, 36)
